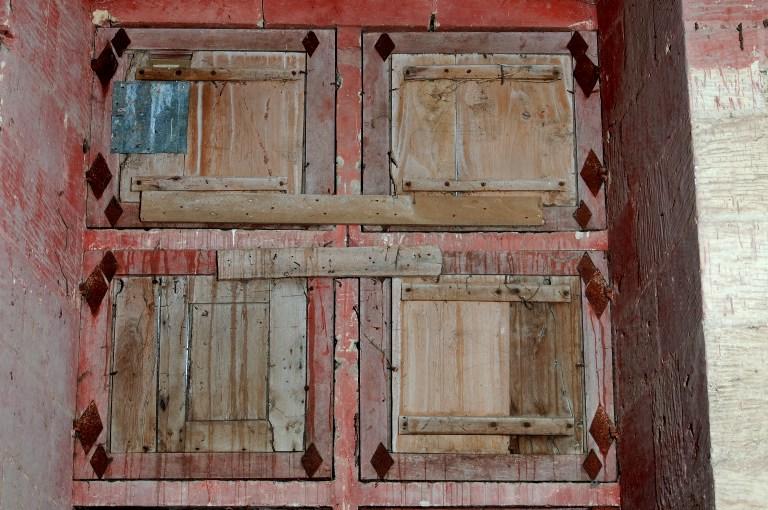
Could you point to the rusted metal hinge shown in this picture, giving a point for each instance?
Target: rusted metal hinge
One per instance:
(593, 173)
(105, 65)
(597, 290)
(311, 460)
(382, 461)
(98, 175)
(586, 73)
(96, 286)
(384, 46)
(310, 43)
(602, 430)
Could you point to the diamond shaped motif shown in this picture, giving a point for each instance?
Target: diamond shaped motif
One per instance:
(577, 45)
(597, 294)
(100, 461)
(113, 211)
(582, 215)
(593, 173)
(381, 461)
(311, 460)
(120, 42)
(88, 427)
(108, 265)
(602, 430)
(384, 46)
(93, 289)
(98, 176)
(586, 268)
(310, 43)
(592, 465)
(105, 65)
(586, 74)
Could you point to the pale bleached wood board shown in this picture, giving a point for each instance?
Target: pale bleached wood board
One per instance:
(444, 369)
(259, 208)
(486, 425)
(181, 183)
(172, 365)
(423, 123)
(516, 129)
(228, 361)
(229, 436)
(210, 290)
(472, 288)
(336, 262)
(147, 165)
(210, 73)
(287, 363)
(247, 129)
(522, 72)
(134, 363)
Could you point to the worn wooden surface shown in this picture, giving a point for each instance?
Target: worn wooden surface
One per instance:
(244, 207)
(491, 425)
(151, 183)
(219, 73)
(485, 288)
(338, 262)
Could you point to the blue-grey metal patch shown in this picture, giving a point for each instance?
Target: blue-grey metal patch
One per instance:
(150, 117)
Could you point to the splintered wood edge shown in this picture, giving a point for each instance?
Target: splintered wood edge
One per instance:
(486, 425)
(325, 262)
(261, 208)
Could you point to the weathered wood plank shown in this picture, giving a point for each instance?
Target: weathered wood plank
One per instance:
(536, 73)
(179, 183)
(168, 166)
(483, 185)
(172, 370)
(478, 288)
(217, 74)
(134, 362)
(485, 425)
(228, 361)
(229, 436)
(287, 363)
(210, 290)
(338, 262)
(255, 208)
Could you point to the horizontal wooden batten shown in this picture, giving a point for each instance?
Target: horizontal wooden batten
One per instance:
(476, 291)
(255, 208)
(179, 183)
(216, 74)
(486, 425)
(337, 262)
(544, 73)
(228, 436)
(480, 185)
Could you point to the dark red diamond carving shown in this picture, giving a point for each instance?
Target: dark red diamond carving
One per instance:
(120, 42)
(597, 294)
(88, 427)
(108, 265)
(592, 465)
(593, 173)
(98, 176)
(311, 460)
(602, 430)
(384, 46)
(100, 461)
(586, 74)
(582, 215)
(577, 45)
(105, 65)
(381, 461)
(93, 289)
(310, 43)
(113, 211)
(586, 268)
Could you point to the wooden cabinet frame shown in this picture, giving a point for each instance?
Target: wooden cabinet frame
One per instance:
(377, 110)
(94, 383)
(319, 110)
(376, 383)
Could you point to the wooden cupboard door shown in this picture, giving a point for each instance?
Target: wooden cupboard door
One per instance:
(496, 123)
(208, 366)
(487, 364)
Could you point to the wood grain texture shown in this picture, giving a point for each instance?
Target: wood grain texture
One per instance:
(484, 288)
(179, 183)
(287, 377)
(477, 186)
(172, 365)
(519, 72)
(486, 425)
(219, 74)
(338, 262)
(134, 365)
(228, 436)
(254, 208)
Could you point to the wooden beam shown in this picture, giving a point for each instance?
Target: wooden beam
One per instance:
(186, 183)
(465, 289)
(486, 425)
(255, 208)
(216, 74)
(480, 185)
(336, 262)
(484, 72)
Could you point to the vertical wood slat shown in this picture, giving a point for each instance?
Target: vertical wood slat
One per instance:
(376, 122)
(134, 390)
(320, 150)
(287, 363)
(172, 370)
